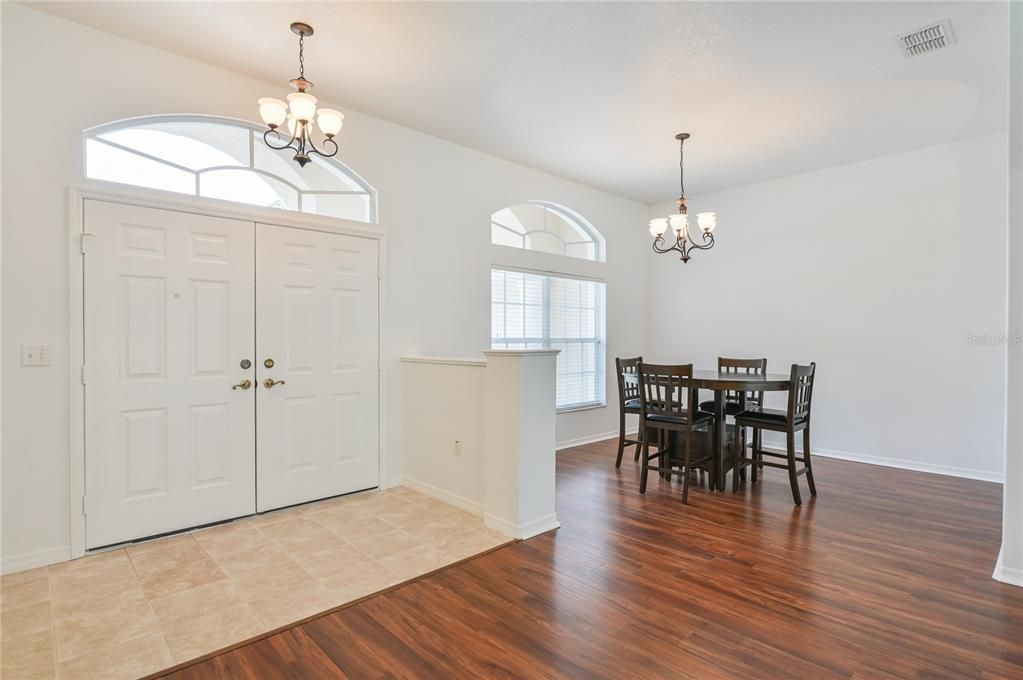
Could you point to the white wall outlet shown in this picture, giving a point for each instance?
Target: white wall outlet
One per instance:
(36, 355)
(458, 448)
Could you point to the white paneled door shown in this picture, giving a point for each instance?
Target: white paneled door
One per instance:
(317, 361)
(169, 318)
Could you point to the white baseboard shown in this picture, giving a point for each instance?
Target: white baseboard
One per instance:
(522, 531)
(461, 502)
(1012, 576)
(569, 443)
(40, 558)
(901, 463)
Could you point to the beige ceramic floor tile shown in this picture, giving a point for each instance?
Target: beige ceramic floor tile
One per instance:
(30, 619)
(268, 557)
(256, 584)
(109, 563)
(322, 506)
(200, 601)
(126, 613)
(25, 587)
(281, 607)
(409, 514)
(345, 587)
(304, 548)
(466, 543)
(231, 538)
(436, 529)
(28, 657)
(345, 560)
(415, 562)
(184, 541)
(297, 526)
(393, 543)
(86, 631)
(194, 636)
(125, 660)
(175, 568)
(95, 589)
(349, 528)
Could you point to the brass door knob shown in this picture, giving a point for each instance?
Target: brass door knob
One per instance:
(243, 385)
(270, 382)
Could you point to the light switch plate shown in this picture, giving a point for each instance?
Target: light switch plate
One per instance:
(36, 355)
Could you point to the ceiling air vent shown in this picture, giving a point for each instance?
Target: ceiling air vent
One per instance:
(927, 39)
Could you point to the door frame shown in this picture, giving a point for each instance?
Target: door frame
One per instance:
(77, 245)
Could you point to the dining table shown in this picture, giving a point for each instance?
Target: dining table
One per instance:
(720, 383)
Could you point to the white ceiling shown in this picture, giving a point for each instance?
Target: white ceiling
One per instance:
(596, 91)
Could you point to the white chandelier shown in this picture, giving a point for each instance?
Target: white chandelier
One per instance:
(679, 222)
(299, 112)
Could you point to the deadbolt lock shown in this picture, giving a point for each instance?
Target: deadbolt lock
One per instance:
(246, 363)
(269, 363)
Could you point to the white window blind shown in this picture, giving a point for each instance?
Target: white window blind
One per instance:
(536, 311)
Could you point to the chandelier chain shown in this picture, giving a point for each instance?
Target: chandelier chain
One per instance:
(301, 55)
(682, 168)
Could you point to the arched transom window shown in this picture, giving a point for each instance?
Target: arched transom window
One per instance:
(225, 159)
(558, 307)
(547, 228)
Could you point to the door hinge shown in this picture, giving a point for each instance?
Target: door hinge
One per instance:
(84, 511)
(83, 239)
(83, 374)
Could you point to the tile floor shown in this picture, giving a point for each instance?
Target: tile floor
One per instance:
(133, 611)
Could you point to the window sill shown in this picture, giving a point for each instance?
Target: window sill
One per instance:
(583, 407)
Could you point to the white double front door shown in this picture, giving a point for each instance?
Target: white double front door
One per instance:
(230, 368)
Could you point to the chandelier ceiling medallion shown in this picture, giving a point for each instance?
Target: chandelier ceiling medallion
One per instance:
(299, 112)
(679, 222)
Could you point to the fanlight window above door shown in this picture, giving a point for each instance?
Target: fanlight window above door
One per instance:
(547, 228)
(221, 158)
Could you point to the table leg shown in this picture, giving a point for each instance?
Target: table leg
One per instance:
(719, 439)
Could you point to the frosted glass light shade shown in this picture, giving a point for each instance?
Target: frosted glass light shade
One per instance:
(292, 124)
(658, 226)
(707, 221)
(679, 222)
(272, 111)
(302, 105)
(330, 121)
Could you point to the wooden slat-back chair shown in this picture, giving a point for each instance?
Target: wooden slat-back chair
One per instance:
(628, 402)
(794, 419)
(668, 404)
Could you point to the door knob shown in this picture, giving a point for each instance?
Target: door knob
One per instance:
(243, 385)
(270, 382)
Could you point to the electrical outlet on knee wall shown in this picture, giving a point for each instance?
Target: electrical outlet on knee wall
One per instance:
(36, 355)
(458, 448)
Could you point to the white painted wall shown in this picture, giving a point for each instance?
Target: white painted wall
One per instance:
(443, 403)
(1010, 566)
(880, 272)
(435, 202)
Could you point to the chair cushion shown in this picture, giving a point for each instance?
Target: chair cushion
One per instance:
(632, 404)
(731, 407)
(768, 416)
(679, 419)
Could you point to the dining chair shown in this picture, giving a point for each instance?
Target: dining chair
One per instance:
(733, 403)
(794, 419)
(628, 402)
(668, 404)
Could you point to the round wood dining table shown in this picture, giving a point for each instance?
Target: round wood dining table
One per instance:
(721, 382)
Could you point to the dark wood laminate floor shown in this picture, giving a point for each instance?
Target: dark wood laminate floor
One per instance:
(887, 574)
